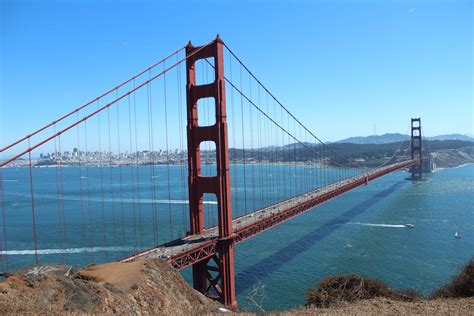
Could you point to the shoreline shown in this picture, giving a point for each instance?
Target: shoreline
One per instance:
(464, 165)
(299, 164)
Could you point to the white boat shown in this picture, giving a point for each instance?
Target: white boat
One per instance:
(409, 225)
(456, 235)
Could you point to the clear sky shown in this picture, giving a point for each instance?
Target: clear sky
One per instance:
(342, 67)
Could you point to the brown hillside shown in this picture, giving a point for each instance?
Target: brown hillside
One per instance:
(141, 287)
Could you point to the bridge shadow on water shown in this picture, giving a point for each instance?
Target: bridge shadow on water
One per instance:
(264, 267)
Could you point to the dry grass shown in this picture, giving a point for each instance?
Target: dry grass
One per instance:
(385, 306)
(153, 287)
(335, 290)
(462, 285)
(142, 287)
(341, 289)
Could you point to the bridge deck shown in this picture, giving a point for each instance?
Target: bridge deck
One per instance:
(184, 252)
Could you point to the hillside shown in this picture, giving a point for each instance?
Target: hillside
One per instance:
(376, 139)
(397, 137)
(447, 153)
(141, 287)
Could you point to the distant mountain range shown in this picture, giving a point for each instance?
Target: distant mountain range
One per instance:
(397, 137)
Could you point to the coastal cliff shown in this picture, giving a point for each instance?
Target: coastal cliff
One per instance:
(140, 287)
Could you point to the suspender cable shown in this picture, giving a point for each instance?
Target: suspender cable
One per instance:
(4, 224)
(61, 188)
(137, 169)
(122, 208)
(243, 143)
(33, 216)
(89, 207)
(79, 162)
(288, 157)
(152, 164)
(282, 157)
(260, 151)
(132, 175)
(167, 155)
(101, 176)
(181, 145)
(269, 154)
(252, 167)
(60, 221)
(111, 178)
(236, 193)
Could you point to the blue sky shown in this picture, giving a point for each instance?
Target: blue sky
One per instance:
(342, 67)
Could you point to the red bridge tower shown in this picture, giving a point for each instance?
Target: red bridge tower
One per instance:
(213, 276)
(416, 169)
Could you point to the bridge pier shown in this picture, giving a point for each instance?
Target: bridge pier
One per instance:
(416, 148)
(213, 276)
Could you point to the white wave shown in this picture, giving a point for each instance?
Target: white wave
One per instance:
(62, 251)
(7, 180)
(464, 165)
(378, 225)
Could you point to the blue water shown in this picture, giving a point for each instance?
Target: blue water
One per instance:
(339, 237)
(360, 232)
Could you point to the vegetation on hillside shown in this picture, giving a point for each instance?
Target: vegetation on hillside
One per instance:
(350, 288)
(339, 289)
(365, 154)
(461, 285)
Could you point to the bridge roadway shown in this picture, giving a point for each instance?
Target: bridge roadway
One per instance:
(186, 251)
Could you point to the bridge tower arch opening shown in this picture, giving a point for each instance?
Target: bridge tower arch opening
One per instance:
(215, 275)
(416, 148)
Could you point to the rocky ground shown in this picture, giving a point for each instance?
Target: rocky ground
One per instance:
(141, 287)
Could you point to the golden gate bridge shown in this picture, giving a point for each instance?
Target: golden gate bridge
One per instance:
(242, 164)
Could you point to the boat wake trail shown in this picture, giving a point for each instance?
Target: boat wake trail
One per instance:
(378, 225)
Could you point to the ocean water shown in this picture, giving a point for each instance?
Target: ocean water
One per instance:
(361, 232)
(90, 215)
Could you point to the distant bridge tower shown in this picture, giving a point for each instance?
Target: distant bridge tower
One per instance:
(213, 276)
(416, 169)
